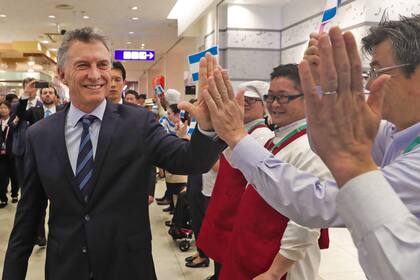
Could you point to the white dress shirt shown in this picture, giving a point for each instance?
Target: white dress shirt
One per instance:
(74, 128)
(4, 124)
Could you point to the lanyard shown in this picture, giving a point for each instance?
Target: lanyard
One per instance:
(412, 145)
(287, 137)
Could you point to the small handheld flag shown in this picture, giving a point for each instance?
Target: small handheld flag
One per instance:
(194, 60)
(330, 12)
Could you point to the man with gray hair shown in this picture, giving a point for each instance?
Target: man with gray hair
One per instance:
(98, 153)
(388, 239)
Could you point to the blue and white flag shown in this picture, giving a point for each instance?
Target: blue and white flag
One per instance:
(194, 60)
(330, 12)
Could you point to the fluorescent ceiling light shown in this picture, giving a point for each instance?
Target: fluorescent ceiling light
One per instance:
(51, 16)
(31, 63)
(86, 17)
(135, 18)
(131, 32)
(135, 8)
(3, 16)
(128, 43)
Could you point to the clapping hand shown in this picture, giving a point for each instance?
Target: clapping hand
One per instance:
(342, 124)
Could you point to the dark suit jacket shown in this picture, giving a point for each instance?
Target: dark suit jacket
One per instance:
(109, 235)
(33, 114)
(19, 135)
(9, 140)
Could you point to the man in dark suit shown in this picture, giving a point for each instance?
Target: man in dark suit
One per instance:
(97, 153)
(19, 127)
(49, 97)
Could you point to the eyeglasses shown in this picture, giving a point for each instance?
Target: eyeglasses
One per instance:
(281, 99)
(374, 73)
(251, 100)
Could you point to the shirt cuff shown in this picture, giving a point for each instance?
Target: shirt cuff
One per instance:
(24, 97)
(367, 202)
(210, 134)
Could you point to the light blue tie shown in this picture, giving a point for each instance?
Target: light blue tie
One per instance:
(47, 113)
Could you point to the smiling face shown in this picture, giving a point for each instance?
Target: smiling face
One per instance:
(284, 114)
(87, 73)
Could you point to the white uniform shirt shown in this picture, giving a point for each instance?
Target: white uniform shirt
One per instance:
(299, 243)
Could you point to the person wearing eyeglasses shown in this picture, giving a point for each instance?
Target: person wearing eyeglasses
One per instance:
(277, 247)
(388, 239)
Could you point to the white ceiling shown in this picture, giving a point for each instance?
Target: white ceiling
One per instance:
(29, 20)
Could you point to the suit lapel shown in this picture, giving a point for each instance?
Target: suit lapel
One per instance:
(58, 127)
(108, 127)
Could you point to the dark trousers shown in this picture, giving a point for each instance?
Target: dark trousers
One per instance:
(198, 205)
(8, 172)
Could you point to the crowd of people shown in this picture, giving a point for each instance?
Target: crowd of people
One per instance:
(258, 174)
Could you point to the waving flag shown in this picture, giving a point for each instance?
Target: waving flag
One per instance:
(194, 60)
(329, 13)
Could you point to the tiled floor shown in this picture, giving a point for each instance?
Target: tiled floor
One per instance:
(338, 263)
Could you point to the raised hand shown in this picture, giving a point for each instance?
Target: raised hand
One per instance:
(199, 109)
(30, 89)
(342, 124)
(226, 111)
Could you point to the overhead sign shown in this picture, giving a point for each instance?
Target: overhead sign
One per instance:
(194, 60)
(134, 55)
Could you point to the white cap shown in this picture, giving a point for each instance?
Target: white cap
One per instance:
(172, 96)
(256, 89)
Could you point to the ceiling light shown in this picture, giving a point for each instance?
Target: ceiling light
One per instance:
(51, 16)
(128, 43)
(131, 32)
(86, 17)
(135, 8)
(45, 41)
(31, 63)
(142, 45)
(135, 18)
(3, 16)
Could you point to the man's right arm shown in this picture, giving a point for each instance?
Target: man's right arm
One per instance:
(28, 216)
(21, 111)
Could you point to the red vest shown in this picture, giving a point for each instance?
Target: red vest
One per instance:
(257, 233)
(218, 222)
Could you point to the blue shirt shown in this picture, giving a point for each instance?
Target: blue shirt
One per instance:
(73, 131)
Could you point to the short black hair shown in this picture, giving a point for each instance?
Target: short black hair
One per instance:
(7, 103)
(133, 92)
(174, 108)
(289, 71)
(26, 81)
(11, 96)
(119, 66)
(142, 96)
(404, 35)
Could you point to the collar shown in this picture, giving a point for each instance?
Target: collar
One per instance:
(52, 109)
(284, 130)
(403, 138)
(74, 114)
(4, 122)
(251, 124)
